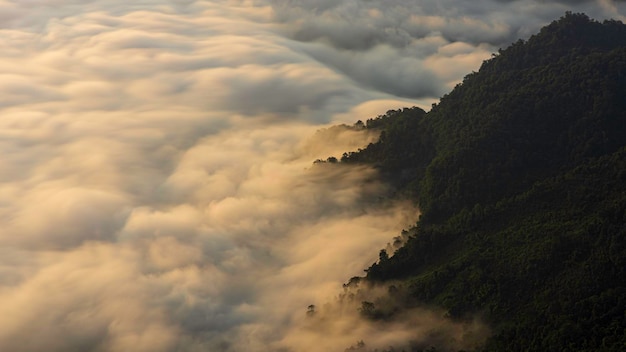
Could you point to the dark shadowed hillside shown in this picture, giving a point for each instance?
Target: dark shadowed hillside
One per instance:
(520, 173)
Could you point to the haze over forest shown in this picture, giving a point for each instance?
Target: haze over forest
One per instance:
(157, 187)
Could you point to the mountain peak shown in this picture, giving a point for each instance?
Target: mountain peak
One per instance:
(520, 176)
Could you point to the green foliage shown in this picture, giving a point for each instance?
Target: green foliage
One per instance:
(537, 107)
(403, 149)
(520, 173)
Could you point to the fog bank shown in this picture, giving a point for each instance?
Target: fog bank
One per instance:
(157, 185)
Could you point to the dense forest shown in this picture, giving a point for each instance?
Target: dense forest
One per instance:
(520, 175)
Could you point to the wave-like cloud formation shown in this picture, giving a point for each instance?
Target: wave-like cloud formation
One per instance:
(157, 191)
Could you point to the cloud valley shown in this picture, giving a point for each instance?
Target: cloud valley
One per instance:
(157, 190)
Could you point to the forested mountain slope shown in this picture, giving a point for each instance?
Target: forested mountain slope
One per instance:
(520, 173)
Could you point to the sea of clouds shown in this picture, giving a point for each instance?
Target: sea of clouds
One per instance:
(157, 190)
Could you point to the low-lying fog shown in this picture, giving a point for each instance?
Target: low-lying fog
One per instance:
(157, 186)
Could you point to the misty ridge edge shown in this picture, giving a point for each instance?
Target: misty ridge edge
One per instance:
(520, 175)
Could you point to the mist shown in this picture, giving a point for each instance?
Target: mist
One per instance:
(157, 184)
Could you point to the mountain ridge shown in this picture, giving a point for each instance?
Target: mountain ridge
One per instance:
(520, 173)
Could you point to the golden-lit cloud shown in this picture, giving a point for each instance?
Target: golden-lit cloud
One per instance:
(157, 185)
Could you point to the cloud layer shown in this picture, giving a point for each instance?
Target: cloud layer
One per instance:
(157, 191)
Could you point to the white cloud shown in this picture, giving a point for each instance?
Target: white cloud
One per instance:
(157, 190)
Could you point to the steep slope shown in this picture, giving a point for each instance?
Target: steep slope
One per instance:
(520, 173)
